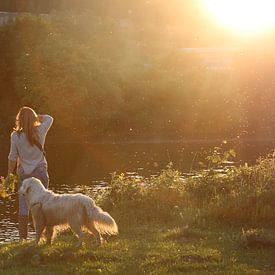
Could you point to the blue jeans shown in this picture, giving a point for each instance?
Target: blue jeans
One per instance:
(40, 173)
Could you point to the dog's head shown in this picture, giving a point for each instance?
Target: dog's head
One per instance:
(31, 185)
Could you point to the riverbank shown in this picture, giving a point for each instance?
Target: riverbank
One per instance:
(144, 249)
(218, 221)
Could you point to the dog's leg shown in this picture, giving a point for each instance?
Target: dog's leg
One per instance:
(49, 234)
(95, 232)
(38, 221)
(75, 226)
(39, 227)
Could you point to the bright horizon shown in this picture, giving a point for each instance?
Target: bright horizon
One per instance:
(243, 16)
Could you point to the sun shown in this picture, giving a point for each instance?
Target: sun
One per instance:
(245, 16)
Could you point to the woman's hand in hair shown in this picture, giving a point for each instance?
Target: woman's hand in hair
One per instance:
(40, 118)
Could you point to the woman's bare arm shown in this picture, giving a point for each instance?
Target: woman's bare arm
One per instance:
(11, 166)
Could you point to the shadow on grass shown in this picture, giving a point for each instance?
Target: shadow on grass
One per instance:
(62, 250)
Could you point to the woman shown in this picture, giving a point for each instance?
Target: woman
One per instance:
(27, 153)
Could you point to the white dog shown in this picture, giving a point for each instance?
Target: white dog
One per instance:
(77, 210)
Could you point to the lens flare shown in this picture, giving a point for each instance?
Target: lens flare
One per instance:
(245, 16)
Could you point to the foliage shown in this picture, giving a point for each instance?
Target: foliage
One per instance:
(171, 224)
(154, 199)
(103, 76)
(241, 194)
(7, 185)
(123, 186)
(218, 158)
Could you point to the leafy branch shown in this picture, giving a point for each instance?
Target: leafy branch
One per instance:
(7, 185)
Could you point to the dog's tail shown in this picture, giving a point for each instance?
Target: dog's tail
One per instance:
(104, 223)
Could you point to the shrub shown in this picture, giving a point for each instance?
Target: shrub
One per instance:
(7, 185)
(240, 194)
(155, 199)
(243, 194)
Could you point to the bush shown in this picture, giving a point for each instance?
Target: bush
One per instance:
(240, 194)
(243, 194)
(154, 199)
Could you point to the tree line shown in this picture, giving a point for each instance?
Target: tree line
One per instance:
(104, 77)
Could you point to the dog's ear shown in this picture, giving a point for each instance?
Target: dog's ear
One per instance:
(27, 189)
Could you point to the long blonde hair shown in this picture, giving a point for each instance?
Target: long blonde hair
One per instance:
(27, 122)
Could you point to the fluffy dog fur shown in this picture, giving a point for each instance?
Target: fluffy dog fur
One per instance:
(77, 210)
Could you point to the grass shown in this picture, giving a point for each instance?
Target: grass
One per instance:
(144, 249)
(217, 223)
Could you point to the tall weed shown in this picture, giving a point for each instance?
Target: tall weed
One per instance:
(243, 194)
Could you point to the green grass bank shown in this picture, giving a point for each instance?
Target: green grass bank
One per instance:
(218, 221)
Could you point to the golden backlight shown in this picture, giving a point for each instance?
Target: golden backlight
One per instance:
(245, 16)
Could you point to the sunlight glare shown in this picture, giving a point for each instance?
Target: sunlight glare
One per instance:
(246, 16)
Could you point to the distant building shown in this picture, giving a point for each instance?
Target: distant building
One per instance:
(6, 17)
(215, 58)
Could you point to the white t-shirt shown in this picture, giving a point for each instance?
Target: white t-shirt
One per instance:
(29, 156)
